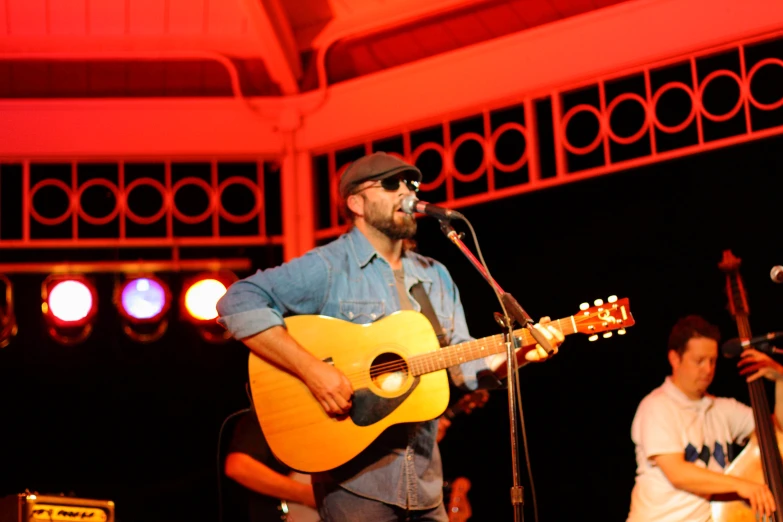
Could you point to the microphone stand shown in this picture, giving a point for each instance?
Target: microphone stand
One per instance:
(509, 304)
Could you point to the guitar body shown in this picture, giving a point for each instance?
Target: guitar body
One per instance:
(373, 357)
(747, 465)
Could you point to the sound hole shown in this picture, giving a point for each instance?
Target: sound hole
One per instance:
(389, 372)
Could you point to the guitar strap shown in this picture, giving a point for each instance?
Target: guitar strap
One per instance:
(486, 378)
(426, 308)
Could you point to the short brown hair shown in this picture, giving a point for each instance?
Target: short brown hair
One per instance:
(688, 328)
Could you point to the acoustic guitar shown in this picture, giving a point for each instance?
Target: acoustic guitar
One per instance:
(398, 373)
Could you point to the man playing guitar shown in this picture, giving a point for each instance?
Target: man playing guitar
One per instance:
(361, 277)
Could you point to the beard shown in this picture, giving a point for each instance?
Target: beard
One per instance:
(384, 221)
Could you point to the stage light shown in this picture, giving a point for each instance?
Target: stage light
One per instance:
(199, 303)
(143, 302)
(202, 297)
(69, 307)
(8, 327)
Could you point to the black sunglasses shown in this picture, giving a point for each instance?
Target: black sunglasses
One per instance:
(392, 183)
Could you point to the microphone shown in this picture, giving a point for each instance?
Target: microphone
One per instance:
(411, 204)
(776, 274)
(733, 347)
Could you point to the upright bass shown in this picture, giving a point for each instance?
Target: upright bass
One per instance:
(760, 460)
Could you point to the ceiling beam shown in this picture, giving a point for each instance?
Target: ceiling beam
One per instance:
(146, 128)
(276, 37)
(101, 46)
(373, 17)
(530, 63)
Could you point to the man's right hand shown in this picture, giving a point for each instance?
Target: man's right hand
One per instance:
(330, 387)
(758, 495)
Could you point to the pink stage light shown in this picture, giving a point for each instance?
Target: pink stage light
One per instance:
(70, 301)
(70, 304)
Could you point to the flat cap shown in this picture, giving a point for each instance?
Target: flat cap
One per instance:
(377, 165)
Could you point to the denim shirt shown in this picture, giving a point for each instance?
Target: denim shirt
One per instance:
(349, 280)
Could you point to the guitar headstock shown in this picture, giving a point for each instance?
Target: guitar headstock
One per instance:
(604, 318)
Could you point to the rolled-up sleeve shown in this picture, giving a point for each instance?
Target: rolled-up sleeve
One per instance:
(262, 300)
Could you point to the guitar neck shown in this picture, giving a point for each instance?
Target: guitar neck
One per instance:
(478, 348)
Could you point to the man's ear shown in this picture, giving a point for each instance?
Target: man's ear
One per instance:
(674, 358)
(355, 204)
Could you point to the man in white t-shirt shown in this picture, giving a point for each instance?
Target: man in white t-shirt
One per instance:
(684, 436)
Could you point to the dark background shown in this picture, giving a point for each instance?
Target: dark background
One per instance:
(139, 424)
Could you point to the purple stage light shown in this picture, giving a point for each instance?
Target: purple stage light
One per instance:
(143, 298)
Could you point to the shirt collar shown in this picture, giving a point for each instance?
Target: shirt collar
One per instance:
(363, 251)
(671, 389)
(412, 263)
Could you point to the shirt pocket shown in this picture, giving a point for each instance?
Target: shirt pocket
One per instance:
(362, 312)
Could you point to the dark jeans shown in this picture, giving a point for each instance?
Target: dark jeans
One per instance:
(340, 505)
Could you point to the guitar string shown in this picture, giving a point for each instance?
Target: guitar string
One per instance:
(451, 356)
(455, 354)
(435, 358)
(362, 378)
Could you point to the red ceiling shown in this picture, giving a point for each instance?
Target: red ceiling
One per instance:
(350, 58)
(477, 23)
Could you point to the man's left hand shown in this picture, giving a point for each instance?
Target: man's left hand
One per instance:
(755, 364)
(552, 334)
(497, 363)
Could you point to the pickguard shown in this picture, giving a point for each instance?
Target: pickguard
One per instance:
(368, 408)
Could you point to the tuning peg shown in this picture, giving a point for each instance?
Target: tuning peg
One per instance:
(598, 302)
(593, 337)
(584, 306)
(611, 299)
(621, 331)
(607, 335)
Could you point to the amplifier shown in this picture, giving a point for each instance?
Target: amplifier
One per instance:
(26, 507)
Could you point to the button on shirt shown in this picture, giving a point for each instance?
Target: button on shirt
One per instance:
(349, 280)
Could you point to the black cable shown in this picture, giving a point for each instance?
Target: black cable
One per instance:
(219, 466)
(527, 453)
(516, 376)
